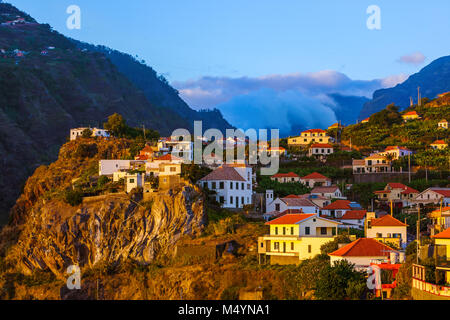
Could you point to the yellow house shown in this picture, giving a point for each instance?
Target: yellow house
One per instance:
(443, 124)
(366, 120)
(386, 229)
(295, 237)
(440, 220)
(443, 264)
(439, 145)
(411, 115)
(309, 136)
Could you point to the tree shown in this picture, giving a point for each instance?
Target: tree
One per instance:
(334, 244)
(116, 125)
(339, 282)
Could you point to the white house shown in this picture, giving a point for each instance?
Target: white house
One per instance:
(386, 229)
(443, 124)
(320, 150)
(96, 132)
(362, 252)
(177, 147)
(331, 192)
(315, 179)
(434, 195)
(108, 167)
(232, 184)
(285, 177)
(292, 203)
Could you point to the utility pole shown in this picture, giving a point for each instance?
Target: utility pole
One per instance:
(418, 233)
(143, 129)
(418, 97)
(409, 168)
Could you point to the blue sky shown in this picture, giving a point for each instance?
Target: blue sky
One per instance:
(233, 54)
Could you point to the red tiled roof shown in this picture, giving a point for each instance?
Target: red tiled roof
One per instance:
(285, 175)
(290, 218)
(338, 204)
(386, 221)
(389, 148)
(315, 176)
(314, 131)
(298, 202)
(443, 235)
(321, 145)
(409, 190)
(411, 113)
(354, 215)
(444, 192)
(382, 191)
(292, 196)
(363, 247)
(329, 189)
(439, 142)
(223, 173)
(168, 157)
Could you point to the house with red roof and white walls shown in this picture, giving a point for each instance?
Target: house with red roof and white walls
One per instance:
(232, 184)
(397, 193)
(364, 251)
(386, 229)
(353, 219)
(339, 208)
(291, 202)
(434, 195)
(285, 177)
(293, 238)
(315, 179)
(320, 151)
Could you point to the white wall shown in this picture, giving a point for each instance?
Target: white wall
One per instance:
(108, 167)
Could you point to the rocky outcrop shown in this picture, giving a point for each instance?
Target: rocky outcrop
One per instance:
(108, 231)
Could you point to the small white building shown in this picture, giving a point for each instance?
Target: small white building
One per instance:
(434, 195)
(386, 229)
(353, 219)
(134, 180)
(108, 167)
(396, 152)
(443, 124)
(315, 179)
(232, 184)
(96, 132)
(320, 150)
(285, 177)
(292, 203)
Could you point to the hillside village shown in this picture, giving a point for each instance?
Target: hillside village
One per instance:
(325, 191)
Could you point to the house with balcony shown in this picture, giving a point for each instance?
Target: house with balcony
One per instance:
(309, 136)
(397, 193)
(375, 163)
(293, 238)
(386, 229)
(315, 179)
(177, 146)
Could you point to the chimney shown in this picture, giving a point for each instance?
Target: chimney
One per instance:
(269, 198)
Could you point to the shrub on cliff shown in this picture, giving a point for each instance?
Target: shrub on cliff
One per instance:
(73, 197)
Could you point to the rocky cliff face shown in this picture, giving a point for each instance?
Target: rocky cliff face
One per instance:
(110, 229)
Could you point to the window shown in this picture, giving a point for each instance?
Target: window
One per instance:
(284, 230)
(242, 200)
(276, 230)
(221, 185)
(276, 245)
(292, 230)
(277, 207)
(379, 235)
(292, 246)
(231, 200)
(323, 230)
(248, 186)
(237, 185)
(262, 244)
(173, 169)
(221, 200)
(307, 230)
(131, 180)
(309, 248)
(242, 186)
(213, 186)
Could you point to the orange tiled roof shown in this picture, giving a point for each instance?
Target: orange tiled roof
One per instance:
(290, 218)
(285, 175)
(387, 221)
(411, 113)
(338, 204)
(168, 157)
(314, 131)
(443, 235)
(315, 176)
(444, 192)
(321, 145)
(363, 247)
(439, 142)
(354, 215)
(292, 196)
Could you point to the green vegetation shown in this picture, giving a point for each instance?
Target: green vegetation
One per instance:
(73, 197)
(117, 126)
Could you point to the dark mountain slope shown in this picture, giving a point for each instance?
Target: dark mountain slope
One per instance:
(432, 80)
(347, 108)
(157, 89)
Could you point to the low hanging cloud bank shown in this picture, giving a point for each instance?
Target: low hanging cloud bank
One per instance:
(289, 111)
(289, 102)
